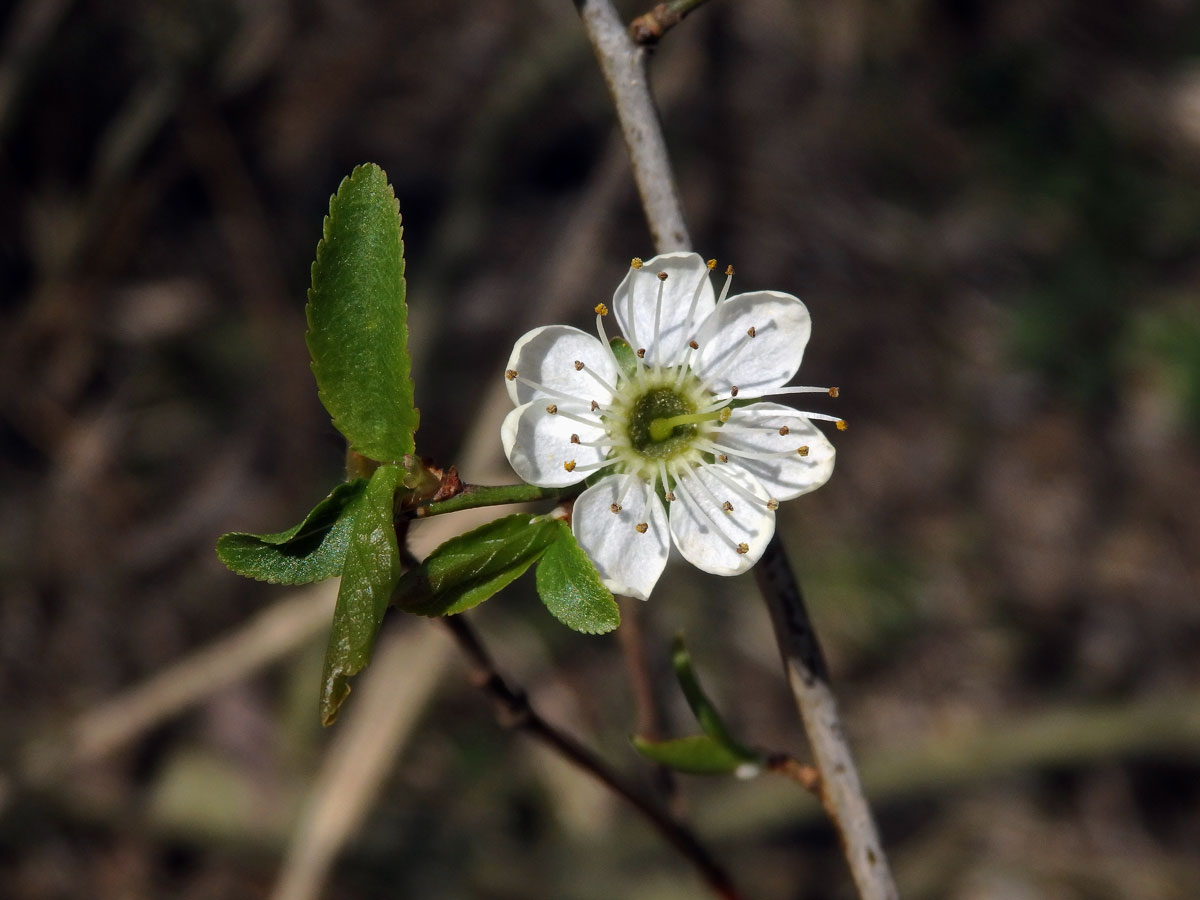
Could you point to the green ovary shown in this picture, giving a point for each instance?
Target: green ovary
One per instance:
(660, 403)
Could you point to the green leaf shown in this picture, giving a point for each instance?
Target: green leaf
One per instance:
(357, 318)
(369, 576)
(571, 588)
(695, 755)
(706, 714)
(470, 568)
(310, 551)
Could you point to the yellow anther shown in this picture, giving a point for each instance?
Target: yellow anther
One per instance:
(574, 439)
(833, 392)
(511, 374)
(751, 331)
(723, 458)
(552, 408)
(636, 262)
(669, 495)
(727, 506)
(784, 430)
(729, 270)
(641, 527)
(743, 549)
(712, 264)
(600, 309)
(841, 425)
(615, 508)
(662, 276)
(579, 365)
(569, 465)
(803, 451)
(724, 414)
(772, 504)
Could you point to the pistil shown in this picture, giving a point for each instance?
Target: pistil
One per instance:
(661, 429)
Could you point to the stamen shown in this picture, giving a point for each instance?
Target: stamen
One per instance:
(690, 499)
(833, 392)
(728, 281)
(662, 477)
(582, 420)
(603, 335)
(641, 352)
(574, 439)
(641, 527)
(688, 322)
(631, 334)
(552, 409)
(693, 345)
(630, 481)
(741, 490)
(742, 548)
(752, 331)
(711, 496)
(569, 465)
(805, 389)
(723, 453)
(614, 508)
(580, 367)
(512, 375)
(841, 425)
(662, 283)
(733, 391)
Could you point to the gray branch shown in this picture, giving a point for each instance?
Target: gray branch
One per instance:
(624, 69)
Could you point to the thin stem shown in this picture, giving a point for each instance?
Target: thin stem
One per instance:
(624, 69)
(514, 710)
(645, 699)
(649, 28)
(841, 792)
(475, 495)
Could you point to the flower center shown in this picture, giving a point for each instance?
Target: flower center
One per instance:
(656, 426)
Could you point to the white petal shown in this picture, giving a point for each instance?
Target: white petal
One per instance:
(707, 535)
(728, 356)
(637, 299)
(538, 444)
(755, 428)
(629, 561)
(547, 356)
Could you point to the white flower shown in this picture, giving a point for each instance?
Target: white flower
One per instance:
(683, 460)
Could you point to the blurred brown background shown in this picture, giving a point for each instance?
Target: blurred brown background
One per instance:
(993, 212)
